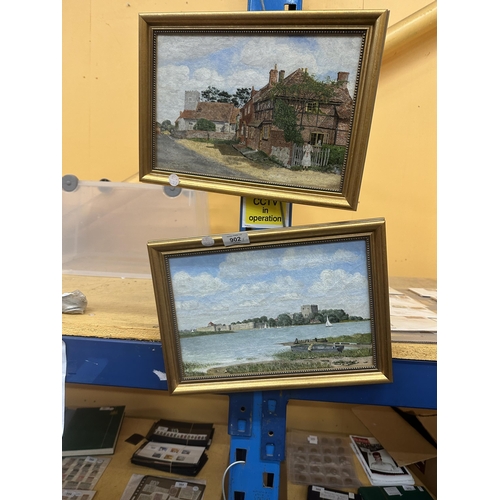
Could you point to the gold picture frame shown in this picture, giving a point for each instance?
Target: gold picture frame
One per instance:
(276, 105)
(279, 308)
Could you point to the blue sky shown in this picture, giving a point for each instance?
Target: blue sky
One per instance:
(230, 62)
(236, 285)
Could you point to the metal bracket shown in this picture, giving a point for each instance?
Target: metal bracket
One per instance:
(240, 414)
(260, 5)
(253, 477)
(172, 191)
(69, 182)
(273, 426)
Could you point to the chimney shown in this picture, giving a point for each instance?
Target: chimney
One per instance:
(343, 77)
(282, 75)
(273, 75)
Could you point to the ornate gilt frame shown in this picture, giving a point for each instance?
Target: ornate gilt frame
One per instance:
(223, 304)
(338, 125)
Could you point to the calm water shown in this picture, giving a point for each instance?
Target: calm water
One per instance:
(258, 345)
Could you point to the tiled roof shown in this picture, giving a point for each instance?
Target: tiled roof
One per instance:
(213, 111)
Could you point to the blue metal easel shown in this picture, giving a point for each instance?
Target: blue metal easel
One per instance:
(258, 5)
(257, 420)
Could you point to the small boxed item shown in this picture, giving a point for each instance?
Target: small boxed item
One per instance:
(322, 459)
(409, 435)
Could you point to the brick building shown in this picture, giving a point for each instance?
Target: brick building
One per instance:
(320, 120)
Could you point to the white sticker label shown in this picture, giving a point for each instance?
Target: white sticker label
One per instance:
(392, 491)
(332, 495)
(313, 439)
(236, 239)
(173, 179)
(207, 241)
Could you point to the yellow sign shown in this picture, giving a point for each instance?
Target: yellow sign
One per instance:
(262, 213)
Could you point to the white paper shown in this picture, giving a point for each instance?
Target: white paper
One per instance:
(413, 324)
(425, 292)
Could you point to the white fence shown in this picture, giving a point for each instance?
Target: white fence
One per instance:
(319, 156)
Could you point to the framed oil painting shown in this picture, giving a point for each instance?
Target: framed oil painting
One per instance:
(274, 308)
(276, 105)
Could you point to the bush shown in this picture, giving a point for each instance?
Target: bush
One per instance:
(204, 124)
(337, 154)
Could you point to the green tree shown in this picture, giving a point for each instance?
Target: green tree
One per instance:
(241, 96)
(224, 96)
(336, 315)
(210, 94)
(204, 124)
(238, 99)
(166, 125)
(317, 317)
(298, 319)
(284, 320)
(306, 89)
(285, 118)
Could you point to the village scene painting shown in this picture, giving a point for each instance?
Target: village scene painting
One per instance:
(272, 109)
(273, 310)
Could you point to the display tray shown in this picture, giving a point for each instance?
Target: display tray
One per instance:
(117, 474)
(124, 308)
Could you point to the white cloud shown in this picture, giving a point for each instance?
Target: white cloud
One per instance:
(338, 289)
(246, 264)
(193, 63)
(297, 258)
(266, 52)
(198, 286)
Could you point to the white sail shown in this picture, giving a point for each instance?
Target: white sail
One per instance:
(328, 322)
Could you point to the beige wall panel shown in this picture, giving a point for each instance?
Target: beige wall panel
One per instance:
(399, 180)
(332, 4)
(100, 86)
(76, 49)
(398, 9)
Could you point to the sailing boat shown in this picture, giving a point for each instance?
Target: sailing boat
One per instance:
(328, 322)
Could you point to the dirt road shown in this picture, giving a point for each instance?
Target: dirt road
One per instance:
(183, 155)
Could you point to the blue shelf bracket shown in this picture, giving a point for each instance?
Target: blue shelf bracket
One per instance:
(274, 5)
(256, 418)
(273, 426)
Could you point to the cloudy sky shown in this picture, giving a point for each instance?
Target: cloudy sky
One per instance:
(230, 62)
(233, 286)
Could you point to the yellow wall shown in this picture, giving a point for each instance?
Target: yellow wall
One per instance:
(100, 120)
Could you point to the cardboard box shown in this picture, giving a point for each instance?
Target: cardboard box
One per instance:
(409, 435)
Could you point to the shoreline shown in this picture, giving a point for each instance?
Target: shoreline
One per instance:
(330, 363)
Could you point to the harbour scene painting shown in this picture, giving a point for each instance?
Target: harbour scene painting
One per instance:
(273, 310)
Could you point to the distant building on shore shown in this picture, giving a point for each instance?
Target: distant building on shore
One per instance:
(222, 327)
(308, 310)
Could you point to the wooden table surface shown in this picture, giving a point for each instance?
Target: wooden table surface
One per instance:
(124, 308)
